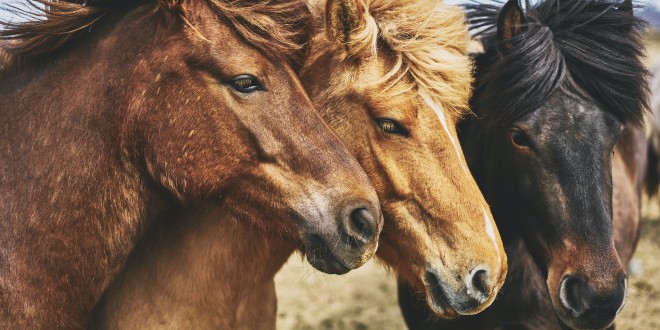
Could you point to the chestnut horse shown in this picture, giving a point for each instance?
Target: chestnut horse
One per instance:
(116, 113)
(558, 150)
(392, 88)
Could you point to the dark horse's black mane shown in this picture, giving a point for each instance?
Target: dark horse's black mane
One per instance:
(592, 48)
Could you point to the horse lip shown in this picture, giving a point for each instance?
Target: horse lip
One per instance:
(568, 320)
(438, 296)
(574, 326)
(323, 258)
(318, 253)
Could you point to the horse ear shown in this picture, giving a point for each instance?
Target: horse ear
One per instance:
(343, 19)
(510, 23)
(626, 6)
(627, 9)
(173, 6)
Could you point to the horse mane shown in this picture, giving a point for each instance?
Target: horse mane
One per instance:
(429, 40)
(584, 47)
(4, 60)
(281, 28)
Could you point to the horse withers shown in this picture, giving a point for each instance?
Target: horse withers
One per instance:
(115, 114)
(558, 149)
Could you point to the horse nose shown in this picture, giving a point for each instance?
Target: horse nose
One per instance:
(360, 225)
(583, 301)
(464, 301)
(477, 286)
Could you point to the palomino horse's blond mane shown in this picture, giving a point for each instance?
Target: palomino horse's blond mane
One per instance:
(429, 42)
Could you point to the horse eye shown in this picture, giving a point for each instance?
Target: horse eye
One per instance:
(519, 139)
(391, 126)
(246, 84)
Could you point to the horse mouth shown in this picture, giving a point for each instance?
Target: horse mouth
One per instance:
(605, 323)
(598, 321)
(437, 297)
(321, 257)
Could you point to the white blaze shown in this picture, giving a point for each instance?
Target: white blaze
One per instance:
(490, 230)
(443, 121)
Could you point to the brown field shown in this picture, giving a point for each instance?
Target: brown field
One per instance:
(366, 298)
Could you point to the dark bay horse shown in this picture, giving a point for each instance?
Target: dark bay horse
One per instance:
(394, 101)
(557, 147)
(116, 113)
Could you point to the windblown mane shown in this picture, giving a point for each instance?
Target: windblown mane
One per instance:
(280, 28)
(588, 47)
(429, 40)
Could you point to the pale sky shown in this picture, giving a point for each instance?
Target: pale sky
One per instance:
(5, 15)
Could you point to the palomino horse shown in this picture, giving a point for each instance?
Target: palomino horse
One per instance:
(391, 78)
(114, 114)
(392, 88)
(558, 151)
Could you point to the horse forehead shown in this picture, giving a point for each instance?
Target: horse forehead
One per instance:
(226, 46)
(566, 114)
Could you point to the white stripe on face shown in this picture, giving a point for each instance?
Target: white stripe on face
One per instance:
(490, 230)
(443, 121)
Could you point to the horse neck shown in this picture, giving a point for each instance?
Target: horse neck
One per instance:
(62, 167)
(524, 287)
(471, 135)
(207, 269)
(521, 265)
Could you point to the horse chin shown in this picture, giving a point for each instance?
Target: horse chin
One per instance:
(577, 323)
(440, 306)
(320, 256)
(594, 320)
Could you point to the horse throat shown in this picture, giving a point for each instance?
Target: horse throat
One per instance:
(202, 269)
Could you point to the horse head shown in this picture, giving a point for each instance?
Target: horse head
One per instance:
(552, 115)
(392, 78)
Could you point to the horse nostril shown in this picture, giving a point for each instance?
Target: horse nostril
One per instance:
(571, 292)
(361, 226)
(479, 281)
(477, 284)
(591, 304)
(623, 282)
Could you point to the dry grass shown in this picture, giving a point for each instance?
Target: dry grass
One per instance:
(642, 310)
(366, 298)
(362, 299)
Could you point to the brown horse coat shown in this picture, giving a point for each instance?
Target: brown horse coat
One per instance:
(114, 114)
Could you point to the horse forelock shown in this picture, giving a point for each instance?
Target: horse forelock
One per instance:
(428, 40)
(279, 28)
(4, 60)
(589, 48)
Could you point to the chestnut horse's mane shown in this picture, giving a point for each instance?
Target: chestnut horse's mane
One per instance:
(280, 28)
(429, 40)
